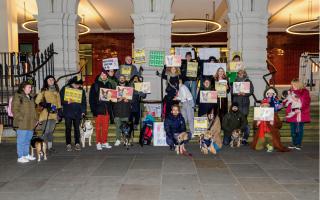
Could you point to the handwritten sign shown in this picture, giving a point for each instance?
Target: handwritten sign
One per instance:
(235, 66)
(156, 58)
(210, 69)
(208, 96)
(200, 125)
(110, 63)
(205, 53)
(139, 56)
(144, 87)
(159, 134)
(173, 61)
(153, 109)
(108, 95)
(73, 95)
(263, 113)
(192, 69)
(124, 92)
(241, 87)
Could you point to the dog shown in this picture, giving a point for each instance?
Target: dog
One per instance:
(206, 143)
(182, 139)
(38, 144)
(236, 138)
(126, 133)
(86, 130)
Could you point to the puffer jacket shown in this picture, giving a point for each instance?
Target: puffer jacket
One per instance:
(24, 112)
(48, 96)
(232, 121)
(174, 125)
(243, 101)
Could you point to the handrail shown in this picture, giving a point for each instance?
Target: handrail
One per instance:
(72, 74)
(274, 70)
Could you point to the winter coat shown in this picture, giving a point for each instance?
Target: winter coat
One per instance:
(232, 121)
(97, 106)
(136, 98)
(305, 99)
(174, 126)
(274, 129)
(215, 131)
(121, 108)
(172, 83)
(48, 96)
(73, 110)
(204, 108)
(183, 69)
(24, 112)
(243, 101)
(223, 108)
(132, 69)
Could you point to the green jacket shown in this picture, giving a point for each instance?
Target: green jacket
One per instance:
(24, 112)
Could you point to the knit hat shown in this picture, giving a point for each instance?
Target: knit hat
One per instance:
(75, 80)
(236, 104)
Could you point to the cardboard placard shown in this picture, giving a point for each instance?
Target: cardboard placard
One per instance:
(210, 69)
(205, 53)
(139, 56)
(192, 69)
(263, 113)
(173, 61)
(241, 87)
(144, 87)
(200, 125)
(108, 95)
(124, 92)
(73, 95)
(221, 88)
(156, 58)
(153, 109)
(159, 134)
(208, 96)
(110, 63)
(235, 66)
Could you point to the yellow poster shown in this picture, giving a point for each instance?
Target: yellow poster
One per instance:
(235, 66)
(192, 69)
(126, 71)
(200, 125)
(139, 56)
(221, 88)
(73, 95)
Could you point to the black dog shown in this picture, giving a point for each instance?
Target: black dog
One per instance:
(126, 132)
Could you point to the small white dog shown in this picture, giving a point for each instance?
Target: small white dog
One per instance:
(86, 130)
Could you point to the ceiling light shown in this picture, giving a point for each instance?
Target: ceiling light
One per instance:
(315, 21)
(205, 21)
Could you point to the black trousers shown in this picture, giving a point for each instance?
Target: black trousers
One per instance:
(134, 117)
(76, 124)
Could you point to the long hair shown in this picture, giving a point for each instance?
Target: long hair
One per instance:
(216, 77)
(45, 85)
(22, 86)
(298, 84)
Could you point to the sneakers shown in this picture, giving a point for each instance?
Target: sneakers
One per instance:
(298, 147)
(29, 157)
(117, 143)
(77, 147)
(99, 147)
(69, 148)
(106, 145)
(22, 160)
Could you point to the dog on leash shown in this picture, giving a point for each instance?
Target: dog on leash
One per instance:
(206, 143)
(38, 144)
(236, 138)
(86, 130)
(182, 139)
(126, 133)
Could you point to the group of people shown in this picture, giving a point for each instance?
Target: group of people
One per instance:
(180, 103)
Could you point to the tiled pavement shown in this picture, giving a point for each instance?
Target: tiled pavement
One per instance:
(157, 173)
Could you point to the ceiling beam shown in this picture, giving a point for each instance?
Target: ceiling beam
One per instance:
(221, 11)
(274, 16)
(100, 20)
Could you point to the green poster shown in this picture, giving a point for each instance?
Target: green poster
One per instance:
(156, 58)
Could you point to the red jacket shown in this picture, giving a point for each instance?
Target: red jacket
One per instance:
(305, 99)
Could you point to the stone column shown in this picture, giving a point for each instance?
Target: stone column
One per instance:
(58, 24)
(8, 26)
(247, 32)
(152, 31)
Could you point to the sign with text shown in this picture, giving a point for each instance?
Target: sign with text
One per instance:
(124, 92)
(235, 66)
(200, 125)
(159, 134)
(153, 109)
(210, 69)
(156, 58)
(183, 50)
(144, 87)
(139, 56)
(110, 63)
(108, 95)
(192, 69)
(205, 53)
(221, 88)
(73, 95)
(173, 61)
(208, 96)
(263, 113)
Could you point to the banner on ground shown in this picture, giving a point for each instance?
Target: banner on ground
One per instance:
(108, 95)
(159, 135)
(200, 125)
(144, 87)
(263, 113)
(72, 95)
(173, 61)
(208, 96)
(192, 69)
(124, 92)
(241, 87)
(139, 56)
(156, 58)
(210, 69)
(110, 63)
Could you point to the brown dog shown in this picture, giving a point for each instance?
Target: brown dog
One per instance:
(180, 148)
(236, 138)
(40, 146)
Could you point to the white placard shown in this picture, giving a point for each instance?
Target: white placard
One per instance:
(153, 109)
(183, 50)
(159, 135)
(110, 63)
(173, 61)
(263, 113)
(210, 69)
(205, 53)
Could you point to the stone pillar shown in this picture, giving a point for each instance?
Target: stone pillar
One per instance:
(152, 31)
(9, 26)
(247, 32)
(58, 24)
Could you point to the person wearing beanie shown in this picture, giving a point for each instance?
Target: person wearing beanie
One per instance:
(233, 120)
(73, 112)
(49, 100)
(101, 110)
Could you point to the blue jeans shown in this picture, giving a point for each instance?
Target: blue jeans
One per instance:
(23, 142)
(192, 86)
(297, 132)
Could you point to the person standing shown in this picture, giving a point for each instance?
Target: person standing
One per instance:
(24, 119)
(73, 112)
(189, 80)
(128, 70)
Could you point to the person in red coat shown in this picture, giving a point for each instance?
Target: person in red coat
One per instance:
(302, 112)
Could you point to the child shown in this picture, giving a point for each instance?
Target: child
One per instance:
(204, 108)
(187, 104)
(174, 125)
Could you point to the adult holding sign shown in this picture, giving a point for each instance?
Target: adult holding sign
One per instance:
(223, 88)
(73, 111)
(190, 72)
(128, 70)
(243, 99)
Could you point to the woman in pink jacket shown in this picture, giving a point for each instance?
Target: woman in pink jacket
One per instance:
(297, 111)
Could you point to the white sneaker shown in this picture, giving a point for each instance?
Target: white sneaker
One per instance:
(106, 145)
(29, 157)
(99, 148)
(117, 143)
(22, 160)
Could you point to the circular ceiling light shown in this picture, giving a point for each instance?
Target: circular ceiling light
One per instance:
(32, 24)
(315, 21)
(204, 21)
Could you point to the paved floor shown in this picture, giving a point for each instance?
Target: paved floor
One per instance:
(157, 173)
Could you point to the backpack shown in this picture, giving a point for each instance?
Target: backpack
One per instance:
(146, 133)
